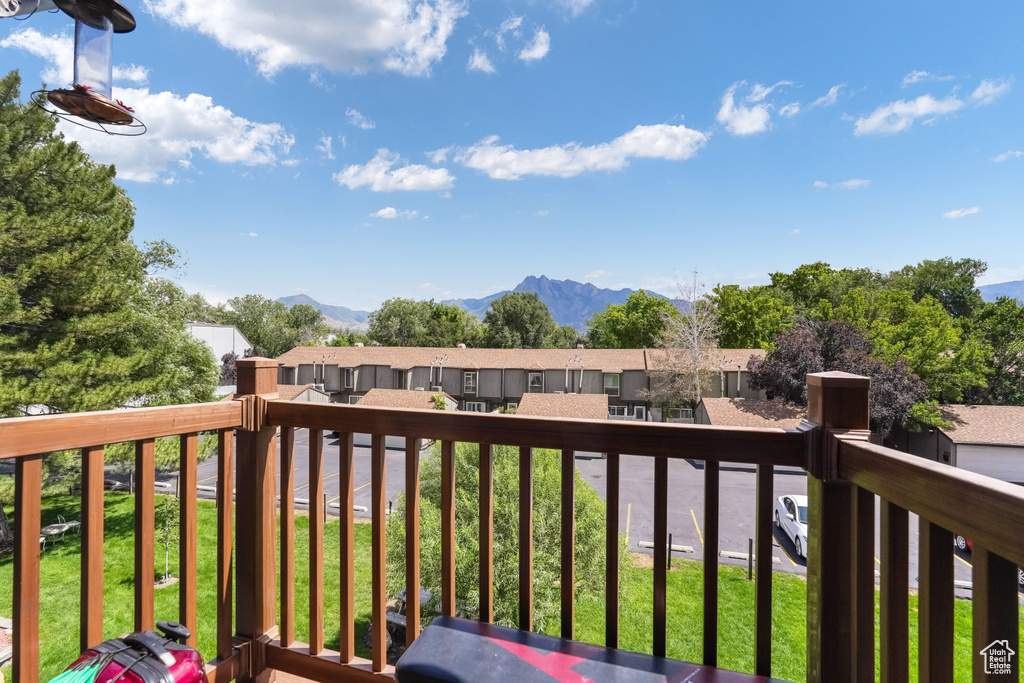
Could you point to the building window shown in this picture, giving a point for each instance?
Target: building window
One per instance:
(469, 382)
(511, 405)
(347, 377)
(611, 385)
(536, 382)
(616, 411)
(639, 412)
(681, 413)
(475, 407)
(353, 399)
(399, 379)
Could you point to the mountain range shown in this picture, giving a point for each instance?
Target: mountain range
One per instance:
(1014, 290)
(571, 303)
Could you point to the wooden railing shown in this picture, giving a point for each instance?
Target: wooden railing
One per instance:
(845, 472)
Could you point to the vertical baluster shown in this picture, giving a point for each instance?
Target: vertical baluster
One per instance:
(864, 588)
(145, 549)
(711, 482)
(763, 579)
(660, 554)
(91, 624)
(994, 612)
(28, 492)
(287, 536)
(346, 476)
(412, 539)
(935, 603)
(611, 580)
(568, 579)
(486, 517)
(316, 541)
(526, 538)
(189, 533)
(447, 528)
(378, 507)
(225, 540)
(894, 628)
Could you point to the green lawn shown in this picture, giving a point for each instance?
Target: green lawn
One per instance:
(60, 599)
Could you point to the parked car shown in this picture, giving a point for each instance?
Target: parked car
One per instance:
(791, 518)
(965, 544)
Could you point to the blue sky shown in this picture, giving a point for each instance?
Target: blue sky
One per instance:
(357, 150)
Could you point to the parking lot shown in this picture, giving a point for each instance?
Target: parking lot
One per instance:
(686, 500)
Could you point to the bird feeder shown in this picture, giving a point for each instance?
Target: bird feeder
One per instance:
(89, 102)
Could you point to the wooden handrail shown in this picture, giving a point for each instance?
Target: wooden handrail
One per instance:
(989, 512)
(27, 436)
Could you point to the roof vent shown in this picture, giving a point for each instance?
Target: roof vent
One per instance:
(460, 346)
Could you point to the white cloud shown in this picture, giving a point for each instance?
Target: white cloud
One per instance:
(853, 184)
(510, 25)
(478, 61)
(325, 147)
(407, 36)
(178, 128)
(829, 98)
(662, 141)
(741, 120)
(759, 92)
(598, 274)
(900, 115)
(248, 234)
(794, 231)
(1006, 156)
(538, 49)
(921, 76)
(357, 119)
(989, 91)
(960, 213)
(386, 212)
(576, 7)
(543, 212)
(439, 156)
(379, 175)
(790, 110)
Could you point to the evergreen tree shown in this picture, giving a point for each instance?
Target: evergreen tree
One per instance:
(83, 324)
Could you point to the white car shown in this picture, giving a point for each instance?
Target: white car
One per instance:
(791, 518)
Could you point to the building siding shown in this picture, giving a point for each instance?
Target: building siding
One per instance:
(554, 381)
(365, 376)
(593, 382)
(305, 374)
(451, 381)
(631, 382)
(515, 383)
(489, 384)
(332, 379)
(420, 378)
(285, 375)
(384, 377)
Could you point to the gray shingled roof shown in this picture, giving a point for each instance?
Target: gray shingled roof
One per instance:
(753, 412)
(998, 425)
(588, 406)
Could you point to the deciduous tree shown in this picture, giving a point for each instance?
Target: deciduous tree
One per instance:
(518, 320)
(637, 324)
(749, 318)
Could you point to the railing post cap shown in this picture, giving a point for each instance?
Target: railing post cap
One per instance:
(257, 362)
(839, 380)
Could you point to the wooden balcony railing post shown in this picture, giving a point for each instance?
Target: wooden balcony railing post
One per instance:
(837, 402)
(256, 533)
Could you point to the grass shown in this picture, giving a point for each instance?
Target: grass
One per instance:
(59, 595)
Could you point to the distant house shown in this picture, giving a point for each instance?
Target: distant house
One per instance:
(222, 339)
(483, 380)
(299, 393)
(584, 406)
(988, 440)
